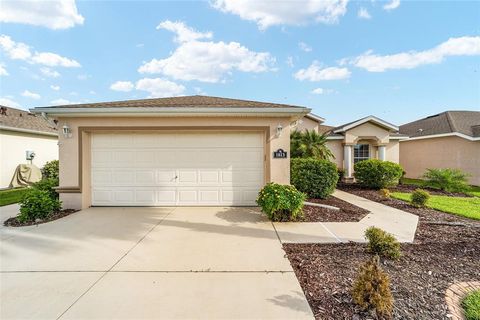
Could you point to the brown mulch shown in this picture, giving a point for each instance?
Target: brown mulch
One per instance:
(440, 256)
(347, 212)
(13, 222)
(425, 214)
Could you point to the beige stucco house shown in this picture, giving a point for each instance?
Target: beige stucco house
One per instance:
(21, 131)
(181, 151)
(366, 138)
(447, 140)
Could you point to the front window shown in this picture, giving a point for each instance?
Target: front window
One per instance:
(361, 152)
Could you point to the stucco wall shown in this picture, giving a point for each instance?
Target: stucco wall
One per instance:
(12, 152)
(365, 131)
(336, 146)
(447, 152)
(307, 124)
(277, 170)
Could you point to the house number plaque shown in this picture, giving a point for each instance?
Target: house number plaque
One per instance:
(280, 154)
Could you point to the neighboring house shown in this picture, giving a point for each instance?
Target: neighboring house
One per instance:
(447, 140)
(366, 138)
(21, 131)
(184, 151)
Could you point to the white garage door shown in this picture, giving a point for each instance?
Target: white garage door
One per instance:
(181, 169)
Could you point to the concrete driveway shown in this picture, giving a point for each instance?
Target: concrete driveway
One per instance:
(149, 263)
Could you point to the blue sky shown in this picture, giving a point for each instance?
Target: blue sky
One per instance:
(398, 60)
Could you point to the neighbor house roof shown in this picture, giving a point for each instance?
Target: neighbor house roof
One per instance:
(463, 123)
(176, 105)
(23, 121)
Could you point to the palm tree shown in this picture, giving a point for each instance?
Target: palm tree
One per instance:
(309, 144)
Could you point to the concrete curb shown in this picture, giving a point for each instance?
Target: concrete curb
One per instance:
(313, 204)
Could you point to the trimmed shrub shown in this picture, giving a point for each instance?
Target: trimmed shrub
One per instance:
(281, 202)
(48, 185)
(451, 180)
(371, 289)
(385, 193)
(315, 177)
(382, 243)
(37, 204)
(377, 174)
(50, 170)
(419, 198)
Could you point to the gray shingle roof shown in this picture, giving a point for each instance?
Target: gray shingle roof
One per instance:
(465, 122)
(20, 119)
(184, 101)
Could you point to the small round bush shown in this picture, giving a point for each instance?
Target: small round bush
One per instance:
(382, 243)
(281, 202)
(315, 177)
(377, 174)
(385, 193)
(50, 170)
(371, 289)
(37, 204)
(419, 198)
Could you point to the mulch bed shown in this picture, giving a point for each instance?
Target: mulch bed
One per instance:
(446, 250)
(425, 214)
(440, 256)
(347, 212)
(13, 222)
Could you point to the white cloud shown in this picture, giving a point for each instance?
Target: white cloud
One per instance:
(290, 62)
(14, 50)
(21, 51)
(4, 101)
(304, 47)
(62, 101)
(92, 92)
(56, 88)
(199, 91)
(83, 77)
(462, 46)
(183, 32)
(54, 60)
(315, 72)
(364, 14)
(270, 13)
(159, 88)
(208, 61)
(49, 72)
(53, 14)
(124, 86)
(392, 5)
(322, 91)
(31, 95)
(3, 71)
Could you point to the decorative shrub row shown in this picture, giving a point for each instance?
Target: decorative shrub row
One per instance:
(377, 174)
(315, 177)
(281, 202)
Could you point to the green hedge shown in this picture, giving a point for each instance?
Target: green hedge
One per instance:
(377, 174)
(315, 177)
(281, 202)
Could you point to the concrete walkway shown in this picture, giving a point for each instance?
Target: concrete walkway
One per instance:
(397, 222)
(149, 263)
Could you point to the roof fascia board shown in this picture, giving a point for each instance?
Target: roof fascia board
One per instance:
(6, 128)
(315, 117)
(441, 135)
(367, 119)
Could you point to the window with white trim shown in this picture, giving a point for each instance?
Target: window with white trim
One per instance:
(361, 152)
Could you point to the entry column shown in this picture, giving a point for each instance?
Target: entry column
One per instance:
(381, 153)
(347, 160)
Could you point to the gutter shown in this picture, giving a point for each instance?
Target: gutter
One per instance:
(170, 111)
(6, 128)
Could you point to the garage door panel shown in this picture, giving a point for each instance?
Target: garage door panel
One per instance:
(176, 169)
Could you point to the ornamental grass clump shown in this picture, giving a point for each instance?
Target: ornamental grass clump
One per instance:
(382, 243)
(281, 202)
(451, 180)
(419, 198)
(371, 289)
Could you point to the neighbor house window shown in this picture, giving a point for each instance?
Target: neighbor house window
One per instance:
(361, 152)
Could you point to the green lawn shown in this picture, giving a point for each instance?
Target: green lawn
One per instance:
(466, 207)
(11, 196)
(474, 191)
(471, 305)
